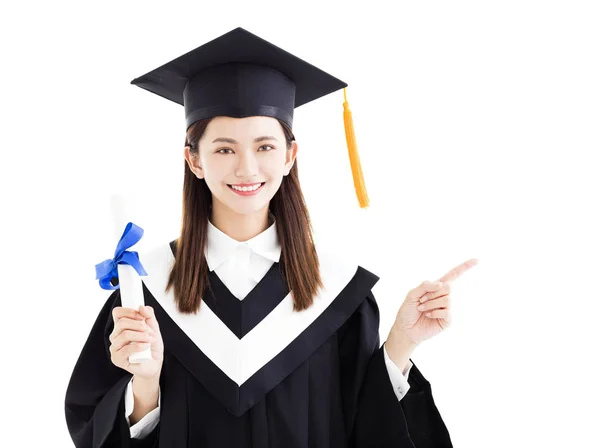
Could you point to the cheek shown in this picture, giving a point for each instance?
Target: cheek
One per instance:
(216, 171)
(276, 176)
(276, 166)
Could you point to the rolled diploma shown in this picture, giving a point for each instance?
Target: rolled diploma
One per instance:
(132, 296)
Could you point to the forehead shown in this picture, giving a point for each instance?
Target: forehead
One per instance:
(243, 128)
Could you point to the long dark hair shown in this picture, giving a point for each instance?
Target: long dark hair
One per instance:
(300, 263)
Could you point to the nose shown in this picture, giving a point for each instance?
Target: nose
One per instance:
(247, 167)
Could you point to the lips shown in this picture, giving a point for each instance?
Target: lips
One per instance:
(246, 185)
(247, 193)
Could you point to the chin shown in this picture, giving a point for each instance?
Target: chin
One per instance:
(245, 205)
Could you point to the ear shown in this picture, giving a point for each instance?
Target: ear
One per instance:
(290, 157)
(193, 162)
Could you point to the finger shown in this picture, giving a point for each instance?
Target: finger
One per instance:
(442, 302)
(119, 312)
(132, 348)
(148, 313)
(128, 336)
(123, 341)
(459, 270)
(438, 314)
(121, 357)
(130, 324)
(443, 291)
(424, 288)
(125, 323)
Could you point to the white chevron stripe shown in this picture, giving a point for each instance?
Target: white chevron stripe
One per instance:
(239, 359)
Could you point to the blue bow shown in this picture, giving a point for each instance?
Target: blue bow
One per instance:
(106, 270)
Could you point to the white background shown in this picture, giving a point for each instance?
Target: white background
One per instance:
(477, 124)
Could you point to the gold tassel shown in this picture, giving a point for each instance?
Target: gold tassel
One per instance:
(357, 174)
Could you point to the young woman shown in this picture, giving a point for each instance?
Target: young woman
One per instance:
(258, 337)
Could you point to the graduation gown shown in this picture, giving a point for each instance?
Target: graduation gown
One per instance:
(253, 373)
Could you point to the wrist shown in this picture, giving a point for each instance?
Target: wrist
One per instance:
(146, 389)
(145, 397)
(399, 348)
(147, 381)
(402, 340)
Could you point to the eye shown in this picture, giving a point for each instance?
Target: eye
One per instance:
(220, 151)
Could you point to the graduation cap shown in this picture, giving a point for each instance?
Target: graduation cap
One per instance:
(240, 75)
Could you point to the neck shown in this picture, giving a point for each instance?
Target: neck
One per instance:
(240, 227)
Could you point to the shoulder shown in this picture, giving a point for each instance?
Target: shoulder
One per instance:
(341, 265)
(351, 284)
(160, 256)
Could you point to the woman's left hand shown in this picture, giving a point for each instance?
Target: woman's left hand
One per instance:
(426, 309)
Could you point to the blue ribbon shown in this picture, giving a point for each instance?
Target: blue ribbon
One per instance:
(106, 270)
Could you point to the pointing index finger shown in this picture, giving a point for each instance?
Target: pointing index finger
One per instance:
(459, 270)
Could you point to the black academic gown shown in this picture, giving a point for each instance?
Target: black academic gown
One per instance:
(326, 386)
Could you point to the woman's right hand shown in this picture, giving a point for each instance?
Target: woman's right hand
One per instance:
(135, 331)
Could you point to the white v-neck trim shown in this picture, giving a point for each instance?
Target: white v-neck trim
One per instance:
(239, 359)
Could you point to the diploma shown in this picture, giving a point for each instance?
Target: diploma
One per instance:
(126, 266)
(132, 296)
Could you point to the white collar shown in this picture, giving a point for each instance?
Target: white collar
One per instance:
(221, 246)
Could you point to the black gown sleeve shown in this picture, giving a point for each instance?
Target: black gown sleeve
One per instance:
(94, 401)
(373, 415)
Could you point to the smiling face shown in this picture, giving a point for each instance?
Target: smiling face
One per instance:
(237, 154)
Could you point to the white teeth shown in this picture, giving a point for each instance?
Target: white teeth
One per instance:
(255, 187)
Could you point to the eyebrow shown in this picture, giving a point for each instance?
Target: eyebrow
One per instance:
(256, 140)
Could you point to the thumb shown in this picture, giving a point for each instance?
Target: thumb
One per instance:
(148, 313)
(423, 288)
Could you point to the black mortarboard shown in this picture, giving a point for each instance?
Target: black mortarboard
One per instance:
(239, 75)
